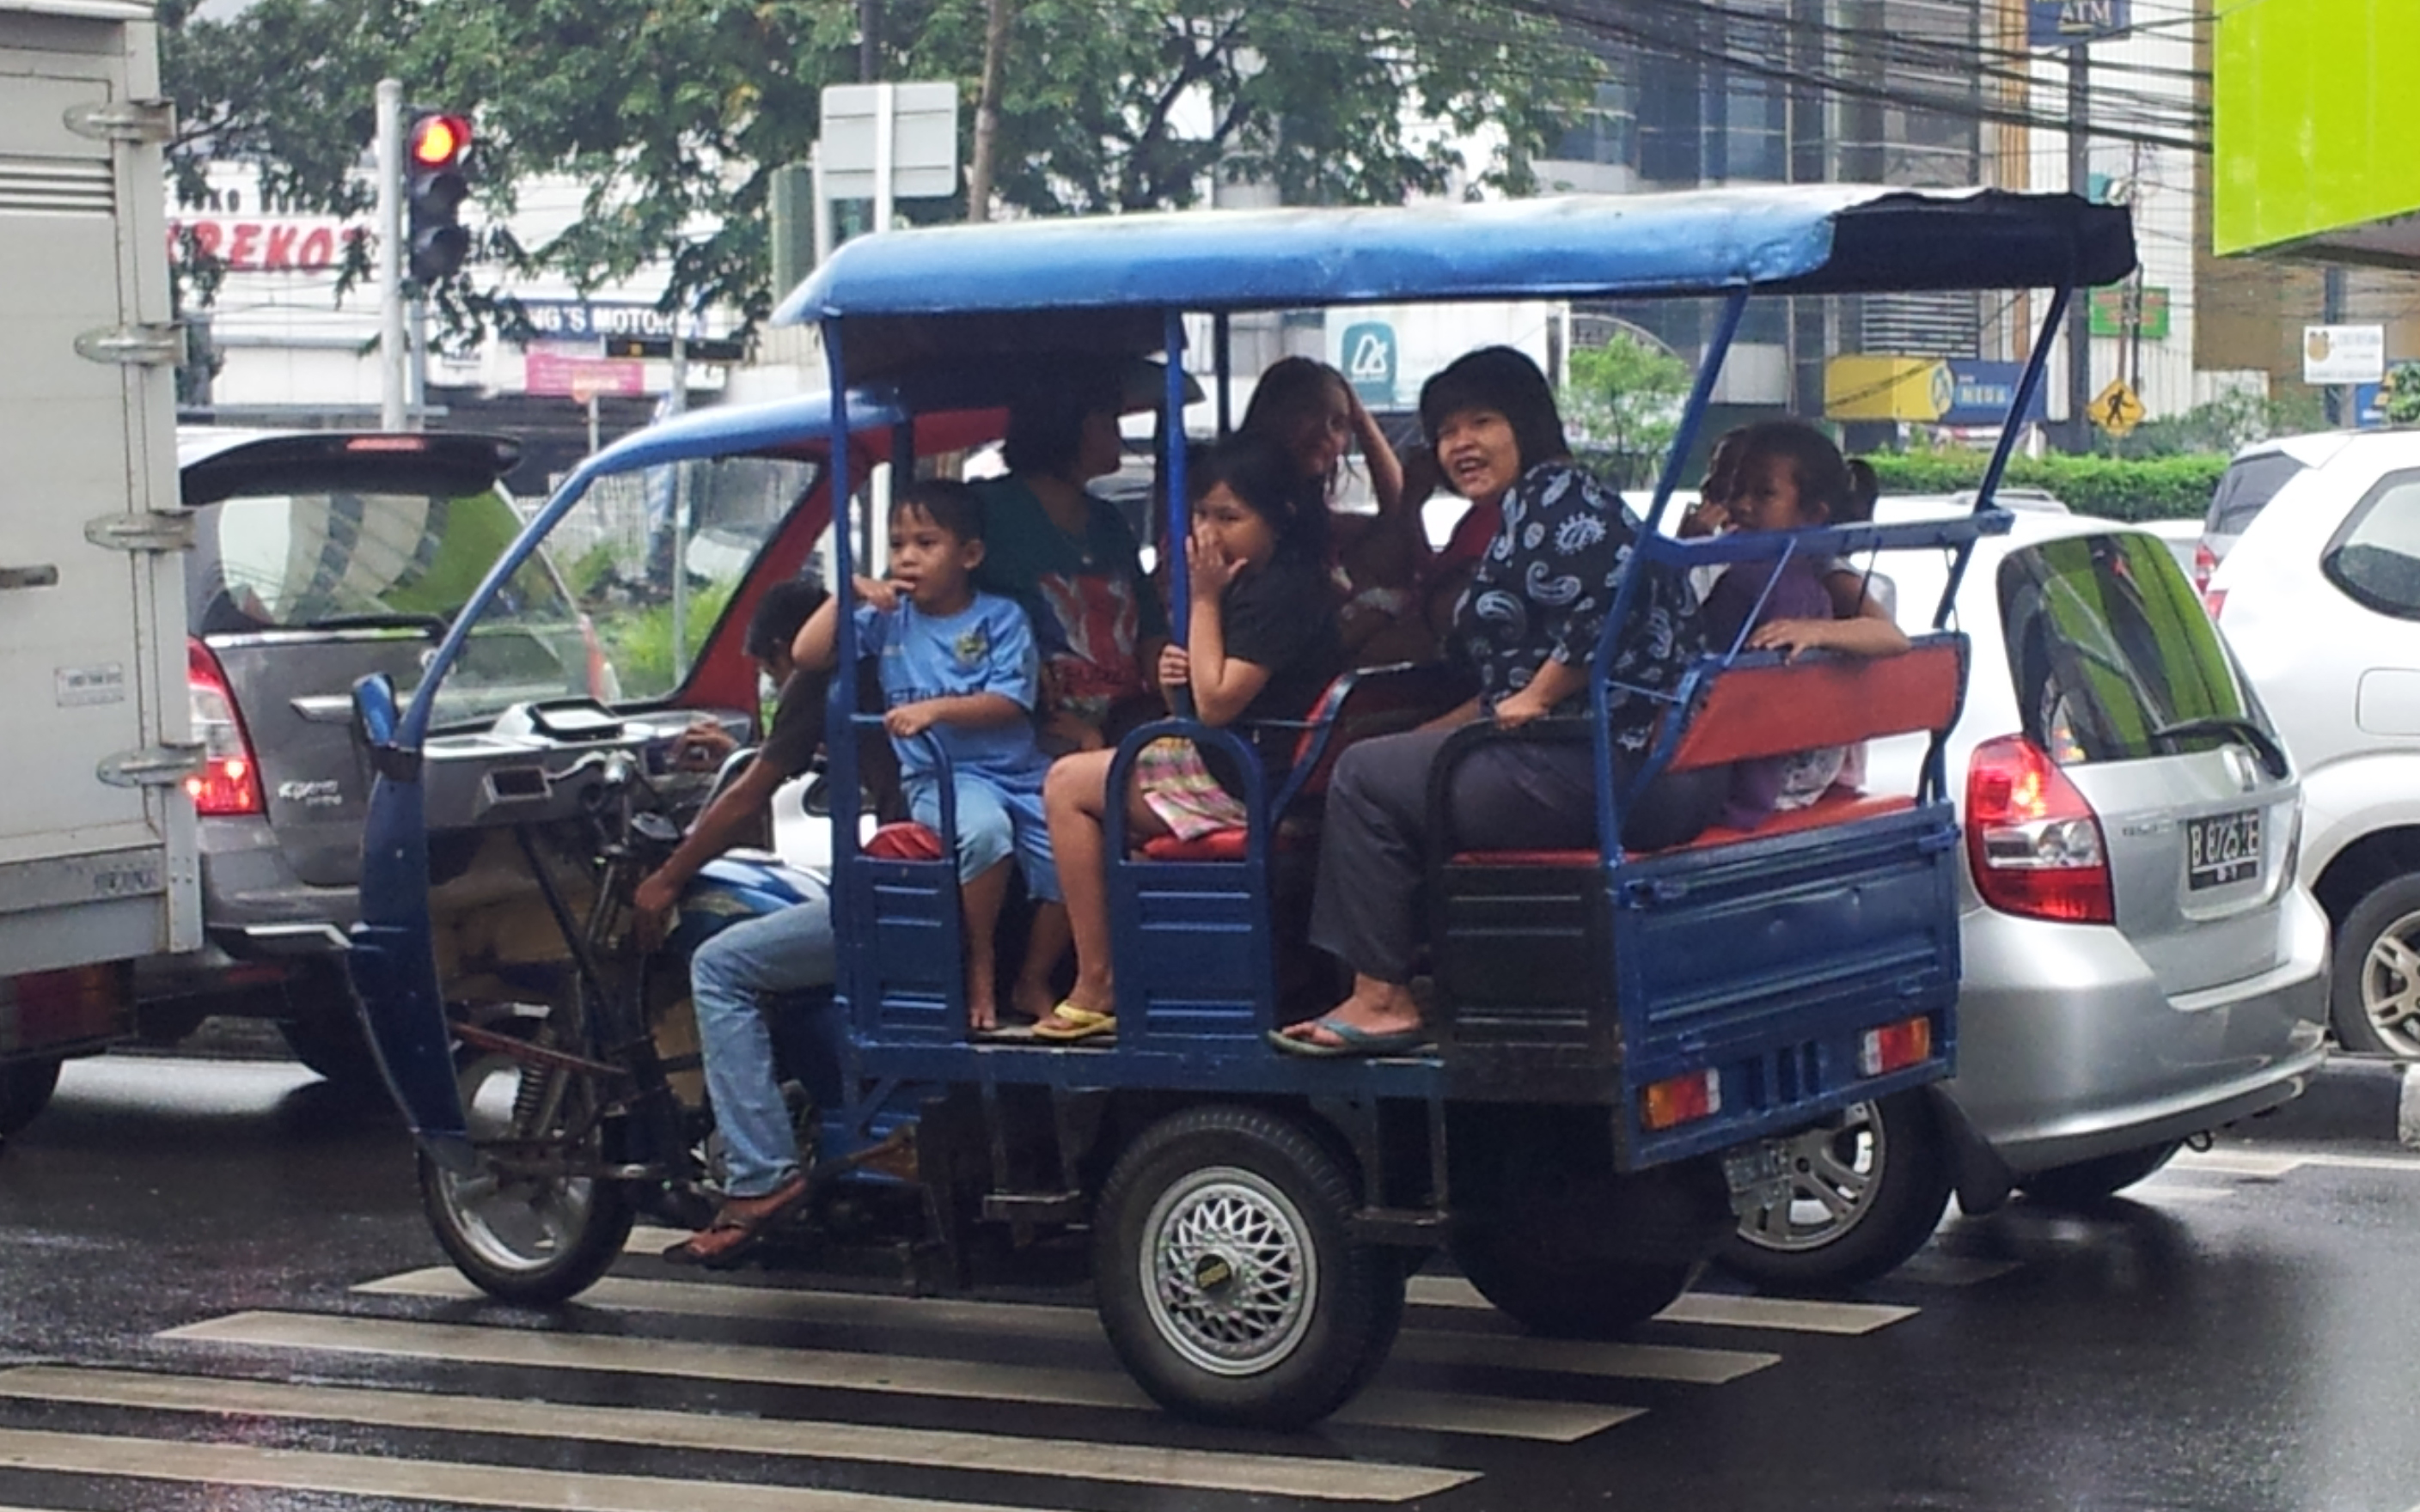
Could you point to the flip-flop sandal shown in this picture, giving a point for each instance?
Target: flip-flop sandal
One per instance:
(733, 1234)
(1357, 1042)
(1067, 1023)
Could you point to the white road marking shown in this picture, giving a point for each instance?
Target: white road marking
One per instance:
(2171, 1192)
(2252, 1163)
(1713, 1308)
(1552, 1421)
(1281, 1476)
(428, 1480)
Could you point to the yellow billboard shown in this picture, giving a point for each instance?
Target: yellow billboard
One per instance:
(1883, 387)
(2310, 136)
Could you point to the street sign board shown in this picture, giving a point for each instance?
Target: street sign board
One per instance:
(1982, 393)
(1368, 361)
(696, 349)
(2369, 406)
(2116, 408)
(924, 140)
(2116, 309)
(550, 370)
(2073, 22)
(2344, 354)
(586, 319)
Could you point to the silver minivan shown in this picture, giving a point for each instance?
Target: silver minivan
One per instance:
(2141, 964)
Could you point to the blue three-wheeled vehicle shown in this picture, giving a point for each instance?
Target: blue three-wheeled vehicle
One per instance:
(1620, 1040)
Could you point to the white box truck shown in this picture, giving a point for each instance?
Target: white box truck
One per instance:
(97, 844)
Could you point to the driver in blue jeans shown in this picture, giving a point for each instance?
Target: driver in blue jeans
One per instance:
(733, 973)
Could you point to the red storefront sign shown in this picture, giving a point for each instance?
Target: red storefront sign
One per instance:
(259, 245)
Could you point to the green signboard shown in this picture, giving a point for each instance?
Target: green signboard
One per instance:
(2310, 146)
(2114, 312)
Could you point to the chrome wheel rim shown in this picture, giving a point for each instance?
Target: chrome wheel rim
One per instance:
(1231, 1278)
(2390, 986)
(1835, 1172)
(511, 1223)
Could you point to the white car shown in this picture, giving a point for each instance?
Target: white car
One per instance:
(2320, 598)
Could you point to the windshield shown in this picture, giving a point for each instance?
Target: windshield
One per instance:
(2111, 652)
(2244, 490)
(617, 546)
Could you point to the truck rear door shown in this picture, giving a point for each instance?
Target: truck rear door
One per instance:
(97, 840)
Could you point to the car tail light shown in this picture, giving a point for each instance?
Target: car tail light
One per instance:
(2034, 842)
(1679, 1099)
(229, 781)
(1895, 1047)
(2205, 563)
(2214, 600)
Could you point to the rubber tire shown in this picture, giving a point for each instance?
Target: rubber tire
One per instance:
(2378, 908)
(26, 1090)
(334, 1046)
(591, 1248)
(2088, 1181)
(1564, 1295)
(1910, 1192)
(1354, 1313)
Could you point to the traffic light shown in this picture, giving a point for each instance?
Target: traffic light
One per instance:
(435, 183)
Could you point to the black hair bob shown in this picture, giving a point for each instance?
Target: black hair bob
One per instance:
(1508, 382)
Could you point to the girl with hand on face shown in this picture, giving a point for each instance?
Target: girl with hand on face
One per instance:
(1260, 629)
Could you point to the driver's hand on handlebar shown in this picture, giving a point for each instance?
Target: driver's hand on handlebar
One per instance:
(652, 906)
(881, 594)
(702, 747)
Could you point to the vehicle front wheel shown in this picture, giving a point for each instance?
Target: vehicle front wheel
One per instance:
(1866, 1189)
(26, 1090)
(2088, 1181)
(532, 1237)
(2376, 1002)
(1229, 1282)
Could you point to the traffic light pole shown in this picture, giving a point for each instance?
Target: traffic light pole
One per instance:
(390, 254)
(2079, 310)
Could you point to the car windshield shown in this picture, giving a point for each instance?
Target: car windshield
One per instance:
(2112, 656)
(2245, 489)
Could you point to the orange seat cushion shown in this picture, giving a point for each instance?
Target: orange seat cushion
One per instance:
(1218, 846)
(1832, 809)
(907, 842)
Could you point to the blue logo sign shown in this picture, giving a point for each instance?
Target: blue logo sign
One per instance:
(2369, 405)
(2070, 22)
(1368, 361)
(1981, 393)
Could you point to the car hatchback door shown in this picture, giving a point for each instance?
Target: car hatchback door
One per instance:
(2123, 679)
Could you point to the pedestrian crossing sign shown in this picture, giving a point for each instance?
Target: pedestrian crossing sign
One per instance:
(2118, 408)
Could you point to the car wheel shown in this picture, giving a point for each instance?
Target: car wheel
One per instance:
(1866, 1189)
(1562, 1293)
(26, 1090)
(335, 1046)
(2088, 1181)
(2375, 1003)
(535, 1237)
(1228, 1279)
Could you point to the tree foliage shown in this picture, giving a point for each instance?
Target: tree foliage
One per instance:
(1622, 405)
(673, 114)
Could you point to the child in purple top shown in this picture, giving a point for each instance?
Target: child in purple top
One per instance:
(1788, 478)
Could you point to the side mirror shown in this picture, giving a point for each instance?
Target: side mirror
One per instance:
(375, 716)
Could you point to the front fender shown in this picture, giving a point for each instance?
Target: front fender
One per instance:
(393, 966)
(2344, 801)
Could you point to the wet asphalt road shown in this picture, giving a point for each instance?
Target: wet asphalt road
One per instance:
(2242, 1337)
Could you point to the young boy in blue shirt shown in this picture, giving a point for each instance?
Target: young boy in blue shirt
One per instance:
(960, 667)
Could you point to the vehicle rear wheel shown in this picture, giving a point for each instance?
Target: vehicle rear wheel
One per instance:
(2376, 1002)
(1564, 1293)
(26, 1090)
(1229, 1281)
(538, 1238)
(2088, 1181)
(1868, 1188)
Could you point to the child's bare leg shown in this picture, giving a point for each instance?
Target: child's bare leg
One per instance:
(1073, 797)
(1031, 995)
(984, 893)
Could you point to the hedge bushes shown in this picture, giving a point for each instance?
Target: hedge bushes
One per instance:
(2165, 487)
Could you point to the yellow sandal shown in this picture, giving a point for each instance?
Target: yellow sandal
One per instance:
(1067, 1023)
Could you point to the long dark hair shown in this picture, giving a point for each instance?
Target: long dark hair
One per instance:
(1289, 386)
(1263, 477)
(1508, 382)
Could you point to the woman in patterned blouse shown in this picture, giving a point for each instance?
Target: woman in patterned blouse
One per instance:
(1527, 626)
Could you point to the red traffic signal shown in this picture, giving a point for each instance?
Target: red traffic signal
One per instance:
(439, 141)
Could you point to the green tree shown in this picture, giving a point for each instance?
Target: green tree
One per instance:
(673, 114)
(2401, 397)
(1623, 405)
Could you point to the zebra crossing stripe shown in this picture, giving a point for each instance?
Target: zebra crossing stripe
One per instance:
(1634, 1362)
(1280, 1475)
(1558, 1422)
(1713, 1308)
(427, 1480)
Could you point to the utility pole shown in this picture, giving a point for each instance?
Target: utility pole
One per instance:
(389, 153)
(2338, 398)
(2079, 310)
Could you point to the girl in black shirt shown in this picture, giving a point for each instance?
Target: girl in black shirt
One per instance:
(1262, 646)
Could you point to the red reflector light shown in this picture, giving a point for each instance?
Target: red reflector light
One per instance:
(2214, 600)
(59, 1008)
(2205, 563)
(229, 781)
(387, 443)
(1895, 1047)
(1679, 1099)
(2033, 842)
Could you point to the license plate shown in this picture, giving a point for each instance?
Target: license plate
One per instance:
(2221, 849)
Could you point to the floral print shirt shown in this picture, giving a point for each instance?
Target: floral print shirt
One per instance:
(1545, 586)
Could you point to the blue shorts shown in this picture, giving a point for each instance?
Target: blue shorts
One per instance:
(995, 822)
